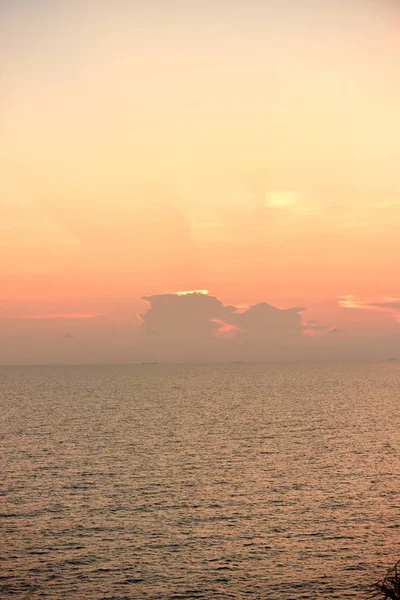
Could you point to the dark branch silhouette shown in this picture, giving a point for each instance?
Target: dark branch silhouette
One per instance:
(389, 586)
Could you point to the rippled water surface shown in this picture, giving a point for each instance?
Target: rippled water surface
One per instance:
(204, 482)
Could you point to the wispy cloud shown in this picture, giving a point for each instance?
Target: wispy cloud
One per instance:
(386, 304)
(350, 301)
(52, 316)
(293, 200)
(284, 198)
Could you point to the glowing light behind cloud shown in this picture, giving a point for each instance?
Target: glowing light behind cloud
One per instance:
(203, 292)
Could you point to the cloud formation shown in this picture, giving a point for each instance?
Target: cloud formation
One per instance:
(197, 326)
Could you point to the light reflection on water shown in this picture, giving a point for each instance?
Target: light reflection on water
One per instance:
(208, 482)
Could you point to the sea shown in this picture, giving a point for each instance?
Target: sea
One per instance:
(206, 482)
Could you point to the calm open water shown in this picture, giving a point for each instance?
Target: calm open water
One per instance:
(204, 482)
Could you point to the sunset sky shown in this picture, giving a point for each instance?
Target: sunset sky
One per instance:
(248, 148)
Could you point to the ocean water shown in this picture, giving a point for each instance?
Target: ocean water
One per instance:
(202, 481)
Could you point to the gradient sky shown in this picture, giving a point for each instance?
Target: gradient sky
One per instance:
(247, 148)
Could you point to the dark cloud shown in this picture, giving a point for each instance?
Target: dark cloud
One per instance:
(182, 316)
(198, 326)
(266, 321)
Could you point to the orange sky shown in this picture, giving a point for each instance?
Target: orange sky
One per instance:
(248, 148)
